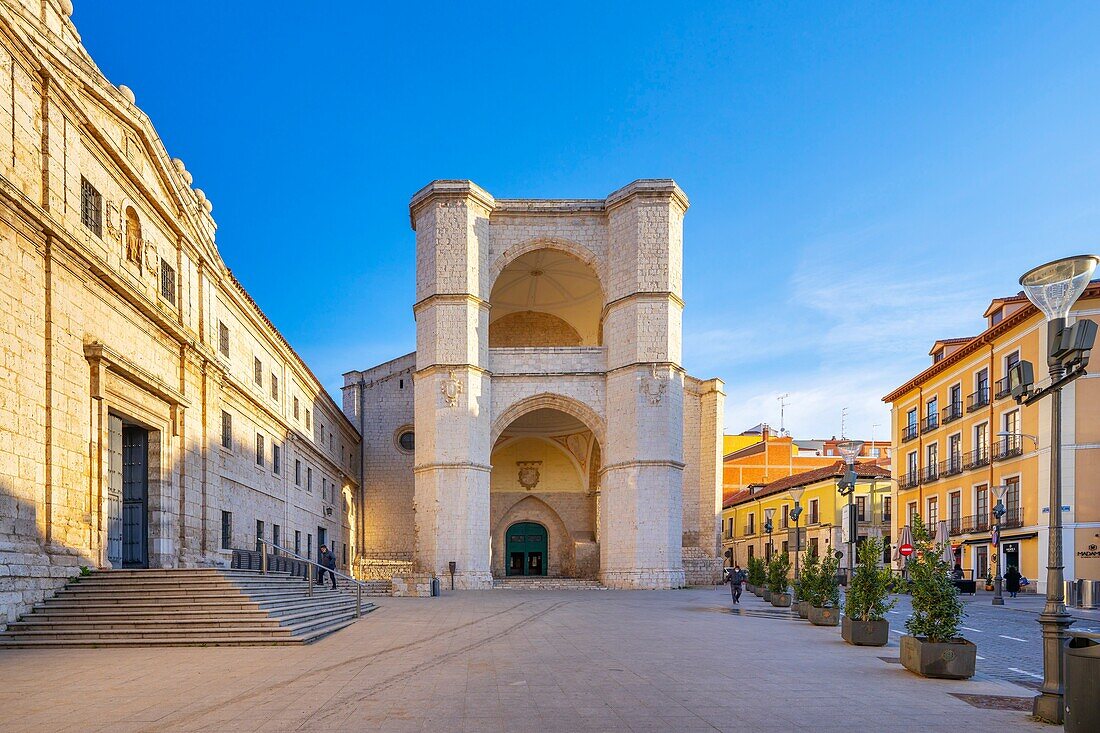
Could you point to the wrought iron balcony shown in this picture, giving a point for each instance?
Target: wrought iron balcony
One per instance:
(1000, 388)
(930, 423)
(955, 526)
(976, 523)
(931, 473)
(977, 400)
(952, 412)
(976, 458)
(952, 466)
(1014, 518)
(909, 432)
(1009, 446)
(909, 480)
(749, 530)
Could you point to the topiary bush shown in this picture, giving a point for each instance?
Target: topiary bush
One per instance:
(779, 568)
(937, 609)
(868, 597)
(757, 575)
(827, 588)
(807, 575)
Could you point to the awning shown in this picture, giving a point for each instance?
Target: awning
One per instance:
(1004, 538)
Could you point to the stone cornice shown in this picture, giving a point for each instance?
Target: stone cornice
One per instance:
(456, 466)
(449, 367)
(654, 189)
(643, 295)
(449, 298)
(449, 189)
(652, 463)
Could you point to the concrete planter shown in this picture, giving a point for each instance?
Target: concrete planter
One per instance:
(803, 609)
(767, 595)
(949, 660)
(824, 616)
(781, 600)
(865, 633)
(750, 588)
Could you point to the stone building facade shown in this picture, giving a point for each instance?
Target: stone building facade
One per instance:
(544, 425)
(150, 414)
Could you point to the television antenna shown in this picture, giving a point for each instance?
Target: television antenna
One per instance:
(782, 412)
(843, 423)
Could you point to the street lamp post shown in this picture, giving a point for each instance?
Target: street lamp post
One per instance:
(1053, 288)
(849, 449)
(998, 512)
(796, 494)
(768, 514)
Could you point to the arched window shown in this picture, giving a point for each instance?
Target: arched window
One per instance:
(133, 235)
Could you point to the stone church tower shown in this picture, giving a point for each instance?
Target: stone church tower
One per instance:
(556, 432)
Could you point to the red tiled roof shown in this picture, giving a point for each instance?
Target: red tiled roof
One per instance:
(867, 469)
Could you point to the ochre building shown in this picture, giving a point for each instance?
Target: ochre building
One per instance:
(959, 437)
(544, 425)
(150, 415)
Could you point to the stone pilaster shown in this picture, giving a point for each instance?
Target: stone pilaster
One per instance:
(452, 384)
(641, 517)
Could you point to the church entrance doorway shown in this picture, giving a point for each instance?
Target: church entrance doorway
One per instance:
(526, 549)
(128, 494)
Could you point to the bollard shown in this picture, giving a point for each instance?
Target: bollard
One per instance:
(1070, 593)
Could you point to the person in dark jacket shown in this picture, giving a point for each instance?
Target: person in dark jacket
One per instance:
(736, 577)
(1012, 581)
(328, 560)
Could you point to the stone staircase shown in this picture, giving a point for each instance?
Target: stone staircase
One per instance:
(543, 583)
(183, 607)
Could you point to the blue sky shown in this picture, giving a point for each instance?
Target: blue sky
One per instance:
(863, 178)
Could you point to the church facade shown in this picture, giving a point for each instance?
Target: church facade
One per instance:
(545, 425)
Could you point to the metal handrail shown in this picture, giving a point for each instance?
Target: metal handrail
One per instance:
(309, 581)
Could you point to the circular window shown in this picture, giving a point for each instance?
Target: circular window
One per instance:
(406, 440)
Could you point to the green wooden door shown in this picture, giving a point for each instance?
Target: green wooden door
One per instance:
(526, 551)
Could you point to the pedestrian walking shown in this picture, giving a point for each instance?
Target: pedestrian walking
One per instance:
(1012, 581)
(736, 579)
(328, 563)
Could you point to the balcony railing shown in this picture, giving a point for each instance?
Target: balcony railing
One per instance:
(1008, 447)
(955, 526)
(976, 458)
(978, 399)
(1001, 389)
(984, 522)
(909, 432)
(749, 530)
(952, 412)
(952, 466)
(909, 480)
(930, 423)
(931, 473)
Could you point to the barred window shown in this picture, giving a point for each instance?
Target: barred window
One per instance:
(223, 339)
(276, 462)
(167, 282)
(257, 371)
(227, 530)
(91, 207)
(259, 449)
(274, 387)
(227, 430)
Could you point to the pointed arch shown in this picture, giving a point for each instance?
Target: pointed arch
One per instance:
(549, 400)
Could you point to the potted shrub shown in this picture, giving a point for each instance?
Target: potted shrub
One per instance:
(779, 569)
(804, 583)
(825, 596)
(988, 580)
(933, 647)
(868, 599)
(756, 575)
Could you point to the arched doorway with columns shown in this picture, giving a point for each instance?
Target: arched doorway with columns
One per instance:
(545, 467)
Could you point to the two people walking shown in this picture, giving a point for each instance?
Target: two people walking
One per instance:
(735, 576)
(328, 560)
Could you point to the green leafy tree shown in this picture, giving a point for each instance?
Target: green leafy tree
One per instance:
(937, 609)
(868, 597)
(828, 588)
(779, 568)
(807, 576)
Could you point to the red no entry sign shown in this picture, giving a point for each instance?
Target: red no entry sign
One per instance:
(906, 550)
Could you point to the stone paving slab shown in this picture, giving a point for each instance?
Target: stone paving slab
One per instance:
(493, 661)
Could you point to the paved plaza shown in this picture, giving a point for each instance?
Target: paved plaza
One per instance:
(508, 661)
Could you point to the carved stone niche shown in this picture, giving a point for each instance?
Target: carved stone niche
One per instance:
(529, 474)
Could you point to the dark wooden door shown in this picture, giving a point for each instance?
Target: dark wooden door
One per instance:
(114, 491)
(135, 492)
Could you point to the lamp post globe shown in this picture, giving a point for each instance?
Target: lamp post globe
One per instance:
(1053, 288)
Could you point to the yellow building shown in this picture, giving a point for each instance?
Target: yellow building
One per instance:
(959, 439)
(743, 515)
